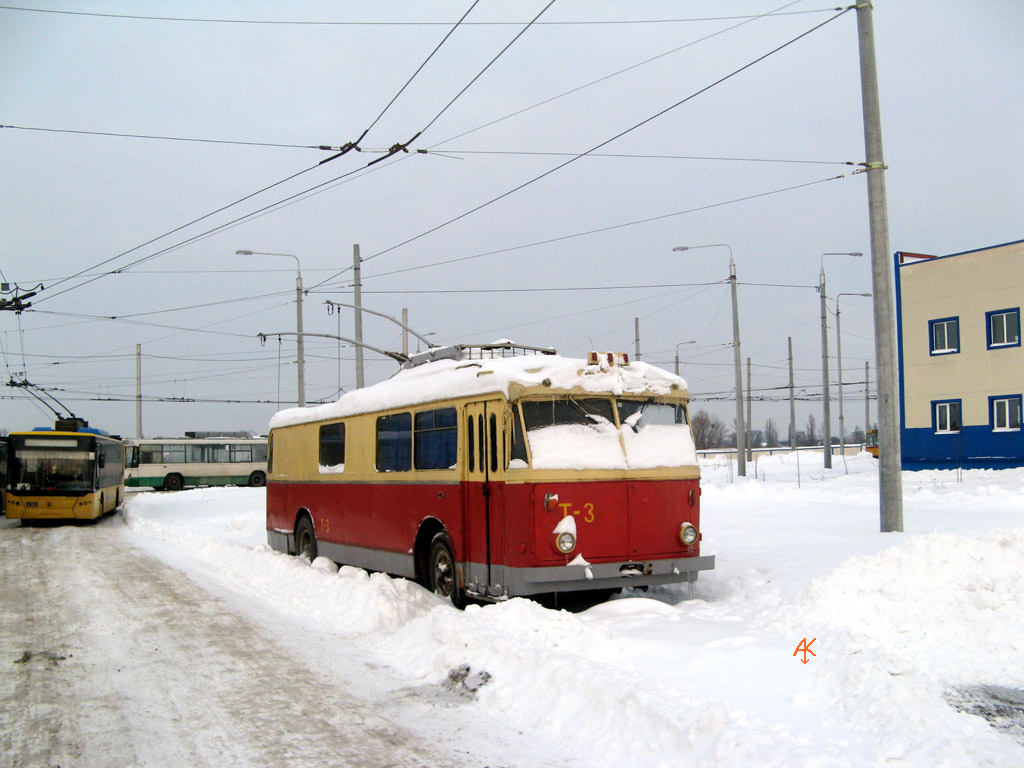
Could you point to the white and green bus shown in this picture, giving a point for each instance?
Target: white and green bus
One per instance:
(173, 463)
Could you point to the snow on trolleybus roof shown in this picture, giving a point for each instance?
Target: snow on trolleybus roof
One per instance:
(470, 370)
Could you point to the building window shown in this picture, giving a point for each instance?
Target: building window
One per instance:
(1003, 328)
(1005, 413)
(945, 335)
(947, 417)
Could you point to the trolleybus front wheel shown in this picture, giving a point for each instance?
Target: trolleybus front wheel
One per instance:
(174, 483)
(257, 479)
(444, 580)
(305, 539)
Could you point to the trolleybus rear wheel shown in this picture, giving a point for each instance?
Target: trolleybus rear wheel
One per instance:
(257, 479)
(305, 539)
(444, 580)
(174, 483)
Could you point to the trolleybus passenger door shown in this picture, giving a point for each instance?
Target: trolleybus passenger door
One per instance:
(484, 444)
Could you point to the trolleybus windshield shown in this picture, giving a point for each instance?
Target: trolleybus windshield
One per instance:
(52, 463)
(573, 432)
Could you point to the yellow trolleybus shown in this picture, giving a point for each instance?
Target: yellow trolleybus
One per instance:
(70, 472)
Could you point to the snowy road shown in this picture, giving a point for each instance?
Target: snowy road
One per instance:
(172, 635)
(113, 658)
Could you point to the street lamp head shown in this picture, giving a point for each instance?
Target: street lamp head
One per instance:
(243, 253)
(709, 245)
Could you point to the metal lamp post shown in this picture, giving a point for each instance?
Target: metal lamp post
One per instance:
(826, 421)
(741, 432)
(300, 362)
(839, 362)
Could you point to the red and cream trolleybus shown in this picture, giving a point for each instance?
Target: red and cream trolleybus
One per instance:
(496, 471)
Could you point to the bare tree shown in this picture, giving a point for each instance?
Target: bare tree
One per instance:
(811, 433)
(708, 430)
(771, 434)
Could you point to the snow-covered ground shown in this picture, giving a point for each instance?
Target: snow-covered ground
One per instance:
(905, 629)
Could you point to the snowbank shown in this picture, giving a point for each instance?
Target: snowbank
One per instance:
(899, 624)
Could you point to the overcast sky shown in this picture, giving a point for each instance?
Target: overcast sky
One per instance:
(499, 229)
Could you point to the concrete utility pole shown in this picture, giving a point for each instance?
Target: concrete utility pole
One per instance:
(741, 432)
(357, 289)
(889, 448)
(636, 334)
(826, 418)
(826, 396)
(867, 400)
(750, 449)
(300, 357)
(138, 391)
(839, 371)
(792, 401)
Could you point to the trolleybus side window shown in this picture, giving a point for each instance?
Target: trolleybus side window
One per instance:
(241, 452)
(470, 444)
(394, 443)
(494, 443)
(481, 443)
(173, 454)
(332, 447)
(435, 439)
(519, 458)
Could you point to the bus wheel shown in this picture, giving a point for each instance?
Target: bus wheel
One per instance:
(305, 539)
(257, 480)
(443, 577)
(174, 483)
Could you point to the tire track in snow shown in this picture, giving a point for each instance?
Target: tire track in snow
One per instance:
(160, 672)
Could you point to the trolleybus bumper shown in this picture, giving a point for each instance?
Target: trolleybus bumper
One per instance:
(574, 578)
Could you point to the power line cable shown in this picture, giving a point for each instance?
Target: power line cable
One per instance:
(113, 134)
(342, 151)
(267, 22)
(599, 146)
(579, 88)
(599, 230)
(395, 148)
(421, 66)
(633, 156)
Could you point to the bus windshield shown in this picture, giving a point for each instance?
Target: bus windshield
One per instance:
(584, 433)
(51, 463)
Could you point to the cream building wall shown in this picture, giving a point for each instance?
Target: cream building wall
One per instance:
(968, 287)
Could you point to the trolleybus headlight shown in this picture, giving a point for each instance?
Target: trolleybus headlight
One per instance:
(566, 542)
(687, 534)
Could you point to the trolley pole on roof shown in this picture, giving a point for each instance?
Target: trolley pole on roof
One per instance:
(889, 450)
